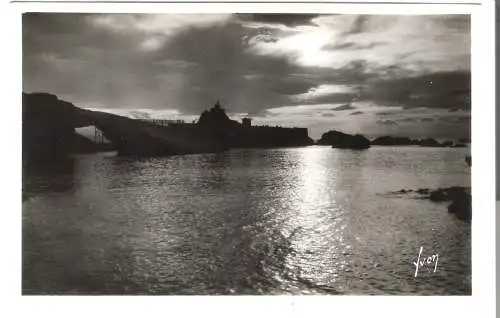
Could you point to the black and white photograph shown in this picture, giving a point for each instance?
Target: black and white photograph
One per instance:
(246, 154)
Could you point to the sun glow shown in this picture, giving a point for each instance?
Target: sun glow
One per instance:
(306, 47)
(309, 46)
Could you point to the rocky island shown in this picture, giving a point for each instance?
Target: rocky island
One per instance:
(406, 141)
(338, 139)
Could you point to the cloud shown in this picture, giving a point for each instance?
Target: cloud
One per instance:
(343, 107)
(440, 40)
(327, 115)
(356, 113)
(290, 20)
(352, 46)
(387, 122)
(155, 23)
(299, 109)
(359, 25)
(409, 119)
(449, 90)
(327, 93)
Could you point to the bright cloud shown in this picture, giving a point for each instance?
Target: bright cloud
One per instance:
(410, 41)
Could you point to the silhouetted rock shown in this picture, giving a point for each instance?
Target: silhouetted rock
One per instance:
(392, 141)
(423, 191)
(338, 139)
(438, 196)
(447, 143)
(216, 118)
(468, 159)
(406, 141)
(429, 142)
(447, 194)
(460, 198)
(48, 128)
(461, 207)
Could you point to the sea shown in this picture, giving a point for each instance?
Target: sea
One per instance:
(284, 221)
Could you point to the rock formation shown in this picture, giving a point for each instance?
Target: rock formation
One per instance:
(392, 141)
(338, 139)
(460, 198)
(48, 128)
(405, 141)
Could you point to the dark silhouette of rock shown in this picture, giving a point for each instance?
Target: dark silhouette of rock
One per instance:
(438, 196)
(461, 207)
(447, 194)
(468, 159)
(460, 198)
(423, 191)
(429, 142)
(48, 128)
(338, 139)
(447, 143)
(392, 141)
(216, 117)
(405, 141)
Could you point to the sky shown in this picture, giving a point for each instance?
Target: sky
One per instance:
(369, 74)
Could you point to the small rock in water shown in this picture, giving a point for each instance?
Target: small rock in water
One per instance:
(423, 191)
(462, 207)
(438, 196)
(460, 198)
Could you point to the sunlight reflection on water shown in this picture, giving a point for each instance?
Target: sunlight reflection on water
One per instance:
(297, 220)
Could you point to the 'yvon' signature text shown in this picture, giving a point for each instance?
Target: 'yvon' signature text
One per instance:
(425, 261)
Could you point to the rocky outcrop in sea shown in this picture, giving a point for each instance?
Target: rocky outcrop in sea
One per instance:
(406, 141)
(459, 197)
(338, 139)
